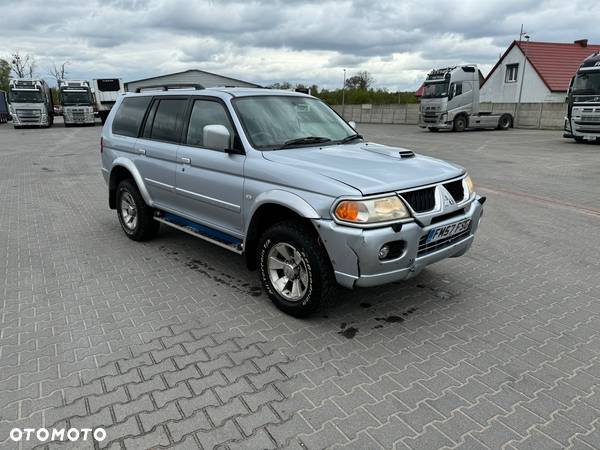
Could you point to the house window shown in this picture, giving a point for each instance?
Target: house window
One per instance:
(511, 73)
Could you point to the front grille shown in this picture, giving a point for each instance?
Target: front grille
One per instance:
(590, 118)
(425, 248)
(29, 115)
(455, 188)
(421, 200)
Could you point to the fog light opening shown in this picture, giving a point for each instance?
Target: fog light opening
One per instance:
(384, 251)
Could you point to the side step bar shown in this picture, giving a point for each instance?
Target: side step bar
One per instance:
(201, 231)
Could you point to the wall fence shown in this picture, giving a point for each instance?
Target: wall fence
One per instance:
(546, 116)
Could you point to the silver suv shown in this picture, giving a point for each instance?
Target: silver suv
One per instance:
(282, 179)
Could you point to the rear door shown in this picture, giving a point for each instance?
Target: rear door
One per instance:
(157, 147)
(210, 182)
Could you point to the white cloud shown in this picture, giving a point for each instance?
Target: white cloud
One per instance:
(306, 41)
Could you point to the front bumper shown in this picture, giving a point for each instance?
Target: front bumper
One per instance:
(434, 121)
(583, 128)
(354, 251)
(40, 120)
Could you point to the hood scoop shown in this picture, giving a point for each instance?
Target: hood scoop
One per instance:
(388, 151)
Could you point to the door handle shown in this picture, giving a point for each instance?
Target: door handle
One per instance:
(186, 160)
(141, 151)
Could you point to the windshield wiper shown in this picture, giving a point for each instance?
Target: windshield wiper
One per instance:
(350, 138)
(305, 140)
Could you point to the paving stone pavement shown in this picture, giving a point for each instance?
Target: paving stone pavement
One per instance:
(171, 343)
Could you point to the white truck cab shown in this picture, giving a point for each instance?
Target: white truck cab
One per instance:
(78, 104)
(30, 103)
(451, 101)
(583, 114)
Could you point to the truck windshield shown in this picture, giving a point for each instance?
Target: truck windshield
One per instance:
(435, 90)
(76, 98)
(587, 83)
(25, 97)
(275, 121)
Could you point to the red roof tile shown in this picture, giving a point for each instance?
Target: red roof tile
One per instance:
(554, 62)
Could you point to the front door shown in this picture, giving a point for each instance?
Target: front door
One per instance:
(209, 182)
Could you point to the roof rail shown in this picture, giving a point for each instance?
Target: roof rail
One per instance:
(166, 87)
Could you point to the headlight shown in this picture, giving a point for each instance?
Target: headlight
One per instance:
(371, 211)
(469, 185)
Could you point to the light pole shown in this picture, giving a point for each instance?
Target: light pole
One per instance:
(522, 78)
(344, 92)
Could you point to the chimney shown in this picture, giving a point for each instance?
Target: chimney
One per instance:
(582, 42)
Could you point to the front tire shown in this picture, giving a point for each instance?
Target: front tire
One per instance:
(434, 130)
(135, 217)
(294, 269)
(460, 123)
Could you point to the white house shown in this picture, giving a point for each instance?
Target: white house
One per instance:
(544, 68)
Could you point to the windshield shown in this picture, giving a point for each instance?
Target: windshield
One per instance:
(587, 83)
(272, 121)
(25, 97)
(74, 98)
(435, 90)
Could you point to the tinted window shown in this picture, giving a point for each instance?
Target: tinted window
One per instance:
(205, 113)
(109, 85)
(148, 127)
(167, 120)
(130, 115)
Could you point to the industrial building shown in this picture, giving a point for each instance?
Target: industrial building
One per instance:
(192, 76)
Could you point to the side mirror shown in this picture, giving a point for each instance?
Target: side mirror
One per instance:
(352, 123)
(216, 137)
(451, 93)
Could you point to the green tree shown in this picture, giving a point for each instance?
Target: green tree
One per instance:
(4, 75)
(360, 80)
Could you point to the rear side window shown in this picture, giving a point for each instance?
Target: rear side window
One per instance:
(130, 115)
(168, 119)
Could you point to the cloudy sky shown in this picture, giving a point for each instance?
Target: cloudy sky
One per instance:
(302, 41)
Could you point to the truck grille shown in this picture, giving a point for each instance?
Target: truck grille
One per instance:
(455, 188)
(424, 248)
(29, 115)
(421, 200)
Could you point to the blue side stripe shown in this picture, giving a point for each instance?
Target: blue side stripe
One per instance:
(202, 229)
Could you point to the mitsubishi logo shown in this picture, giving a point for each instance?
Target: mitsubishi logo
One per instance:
(446, 197)
(448, 200)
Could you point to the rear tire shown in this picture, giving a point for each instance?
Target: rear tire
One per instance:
(135, 216)
(460, 123)
(294, 268)
(505, 122)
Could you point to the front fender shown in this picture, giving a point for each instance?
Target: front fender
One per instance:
(132, 169)
(285, 199)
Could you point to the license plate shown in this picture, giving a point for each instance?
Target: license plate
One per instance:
(447, 231)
